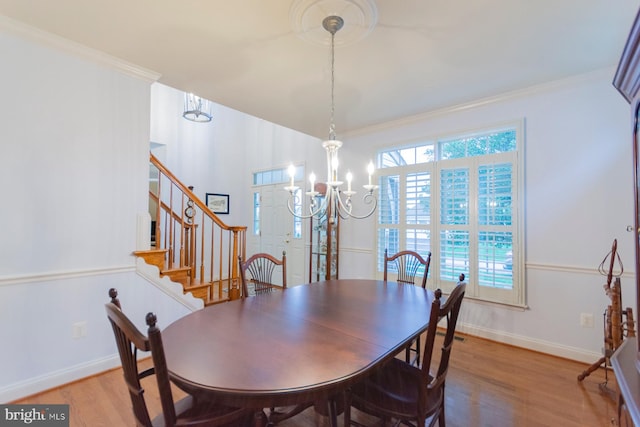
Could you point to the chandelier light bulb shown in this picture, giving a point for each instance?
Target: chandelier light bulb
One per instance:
(292, 173)
(370, 170)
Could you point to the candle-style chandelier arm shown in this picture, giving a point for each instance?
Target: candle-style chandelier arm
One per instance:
(315, 208)
(345, 207)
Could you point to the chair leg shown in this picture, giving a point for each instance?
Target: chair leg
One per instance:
(347, 408)
(441, 422)
(260, 419)
(333, 413)
(411, 348)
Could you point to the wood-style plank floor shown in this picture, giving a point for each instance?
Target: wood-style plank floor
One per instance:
(489, 385)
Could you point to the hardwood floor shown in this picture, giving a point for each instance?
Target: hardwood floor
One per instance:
(488, 385)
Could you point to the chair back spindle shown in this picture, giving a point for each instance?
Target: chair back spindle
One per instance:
(259, 271)
(408, 265)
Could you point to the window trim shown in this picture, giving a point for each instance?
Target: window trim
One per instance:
(517, 295)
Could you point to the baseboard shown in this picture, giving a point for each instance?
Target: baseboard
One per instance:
(555, 349)
(55, 379)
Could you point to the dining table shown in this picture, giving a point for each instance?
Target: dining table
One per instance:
(307, 343)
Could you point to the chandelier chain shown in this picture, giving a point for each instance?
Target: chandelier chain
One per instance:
(332, 126)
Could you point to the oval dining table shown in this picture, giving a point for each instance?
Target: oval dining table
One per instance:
(305, 344)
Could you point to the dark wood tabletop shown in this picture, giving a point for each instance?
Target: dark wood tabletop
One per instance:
(306, 343)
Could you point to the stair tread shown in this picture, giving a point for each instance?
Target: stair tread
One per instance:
(175, 269)
(150, 251)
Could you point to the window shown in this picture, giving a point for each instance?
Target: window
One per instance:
(297, 220)
(458, 197)
(256, 214)
(276, 176)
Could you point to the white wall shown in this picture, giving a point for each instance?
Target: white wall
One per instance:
(74, 143)
(578, 199)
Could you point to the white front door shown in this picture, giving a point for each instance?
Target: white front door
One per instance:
(277, 232)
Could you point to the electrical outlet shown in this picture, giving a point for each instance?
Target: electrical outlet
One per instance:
(586, 320)
(79, 329)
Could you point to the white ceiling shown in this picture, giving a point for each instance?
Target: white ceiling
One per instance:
(421, 54)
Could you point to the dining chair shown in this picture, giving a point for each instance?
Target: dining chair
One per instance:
(258, 270)
(409, 265)
(186, 411)
(407, 393)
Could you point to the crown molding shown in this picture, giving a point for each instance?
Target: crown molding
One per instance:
(506, 96)
(24, 31)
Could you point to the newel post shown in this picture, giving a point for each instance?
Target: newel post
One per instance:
(238, 247)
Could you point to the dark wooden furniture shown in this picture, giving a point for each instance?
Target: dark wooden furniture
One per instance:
(258, 270)
(624, 365)
(324, 242)
(407, 265)
(186, 411)
(405, 392)
(618, 322)
(311, 341)
(627, 81)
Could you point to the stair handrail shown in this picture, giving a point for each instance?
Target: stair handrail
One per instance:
(182, 243)
(185, 189)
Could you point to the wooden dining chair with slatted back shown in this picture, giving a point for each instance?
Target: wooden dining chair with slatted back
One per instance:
(186, 411)
(409, 265)
(257, 273)
(407, 393)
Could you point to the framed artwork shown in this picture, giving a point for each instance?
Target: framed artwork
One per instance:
(218, 203)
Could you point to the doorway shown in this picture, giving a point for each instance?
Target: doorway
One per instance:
(276, 231)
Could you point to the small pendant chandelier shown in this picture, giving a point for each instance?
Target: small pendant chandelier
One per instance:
(336, 202)
(196, 109)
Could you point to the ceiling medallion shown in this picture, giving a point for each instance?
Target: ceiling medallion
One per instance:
(360, 17)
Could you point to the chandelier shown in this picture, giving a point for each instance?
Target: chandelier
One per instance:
(196, 109)
(335, 201)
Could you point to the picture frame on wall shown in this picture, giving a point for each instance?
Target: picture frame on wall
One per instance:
(218, 203)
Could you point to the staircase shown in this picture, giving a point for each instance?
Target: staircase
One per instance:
(189, 243)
